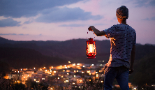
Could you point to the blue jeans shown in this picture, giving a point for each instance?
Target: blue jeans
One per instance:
(120, 73)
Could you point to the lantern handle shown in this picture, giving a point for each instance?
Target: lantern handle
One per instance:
(90, 37)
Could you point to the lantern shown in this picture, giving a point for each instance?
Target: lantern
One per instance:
(91, 48)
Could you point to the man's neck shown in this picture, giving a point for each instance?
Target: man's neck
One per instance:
(123, 22)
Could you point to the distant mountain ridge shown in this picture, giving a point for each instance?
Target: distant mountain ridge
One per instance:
(73, 50)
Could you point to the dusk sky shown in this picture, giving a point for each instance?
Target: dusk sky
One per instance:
(60, 20)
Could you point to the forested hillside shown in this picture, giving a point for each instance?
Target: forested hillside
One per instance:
(18, 54)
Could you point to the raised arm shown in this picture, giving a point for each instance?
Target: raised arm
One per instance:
(96, 31)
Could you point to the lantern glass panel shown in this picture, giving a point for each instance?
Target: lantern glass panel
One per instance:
(90, 48)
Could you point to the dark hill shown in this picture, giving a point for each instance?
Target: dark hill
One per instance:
(23, 57)
(144, 71)
(73, 50)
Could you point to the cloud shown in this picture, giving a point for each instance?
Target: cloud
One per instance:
(150, 19)
(12, 34)
(72, 25)
(77, 25)
(27, 22)
(66, 14)
(141, 3)
(8, 23)
(28, 8)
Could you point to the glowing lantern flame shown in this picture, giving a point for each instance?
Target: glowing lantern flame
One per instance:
(90, 48)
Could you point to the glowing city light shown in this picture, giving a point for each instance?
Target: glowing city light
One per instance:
(69, 61)
(63, 75)
(43, 78)
(74, 75)
(73, 64)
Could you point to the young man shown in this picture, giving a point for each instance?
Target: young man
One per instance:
(122, 40)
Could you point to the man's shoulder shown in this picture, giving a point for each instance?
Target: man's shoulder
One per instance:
(132, 29)
(124, 26)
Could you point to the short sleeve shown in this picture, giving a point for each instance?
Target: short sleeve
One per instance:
(110, 32)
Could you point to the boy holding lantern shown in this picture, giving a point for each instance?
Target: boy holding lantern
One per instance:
(122, 51)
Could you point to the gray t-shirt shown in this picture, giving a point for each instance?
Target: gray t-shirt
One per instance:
(122, 39)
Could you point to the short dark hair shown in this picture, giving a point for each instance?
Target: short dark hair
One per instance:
(122, 12)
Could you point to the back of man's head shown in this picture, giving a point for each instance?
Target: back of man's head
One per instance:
(122, 12)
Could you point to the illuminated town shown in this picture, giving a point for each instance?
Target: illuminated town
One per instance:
(74, 76)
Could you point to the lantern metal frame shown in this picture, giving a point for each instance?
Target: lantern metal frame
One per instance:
(90, 43)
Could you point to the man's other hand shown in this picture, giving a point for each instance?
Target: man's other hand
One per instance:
(130, 71)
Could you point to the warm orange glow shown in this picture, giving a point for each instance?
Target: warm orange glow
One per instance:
(78, 63)
(37, 81)
(6, 77)
(17, 81)
(69, 61)
(74, 75)
(74, 64)
(74, 70)
(67, 81)
(43, 78)
(97, 75)
(90, 48)
(88, 71)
